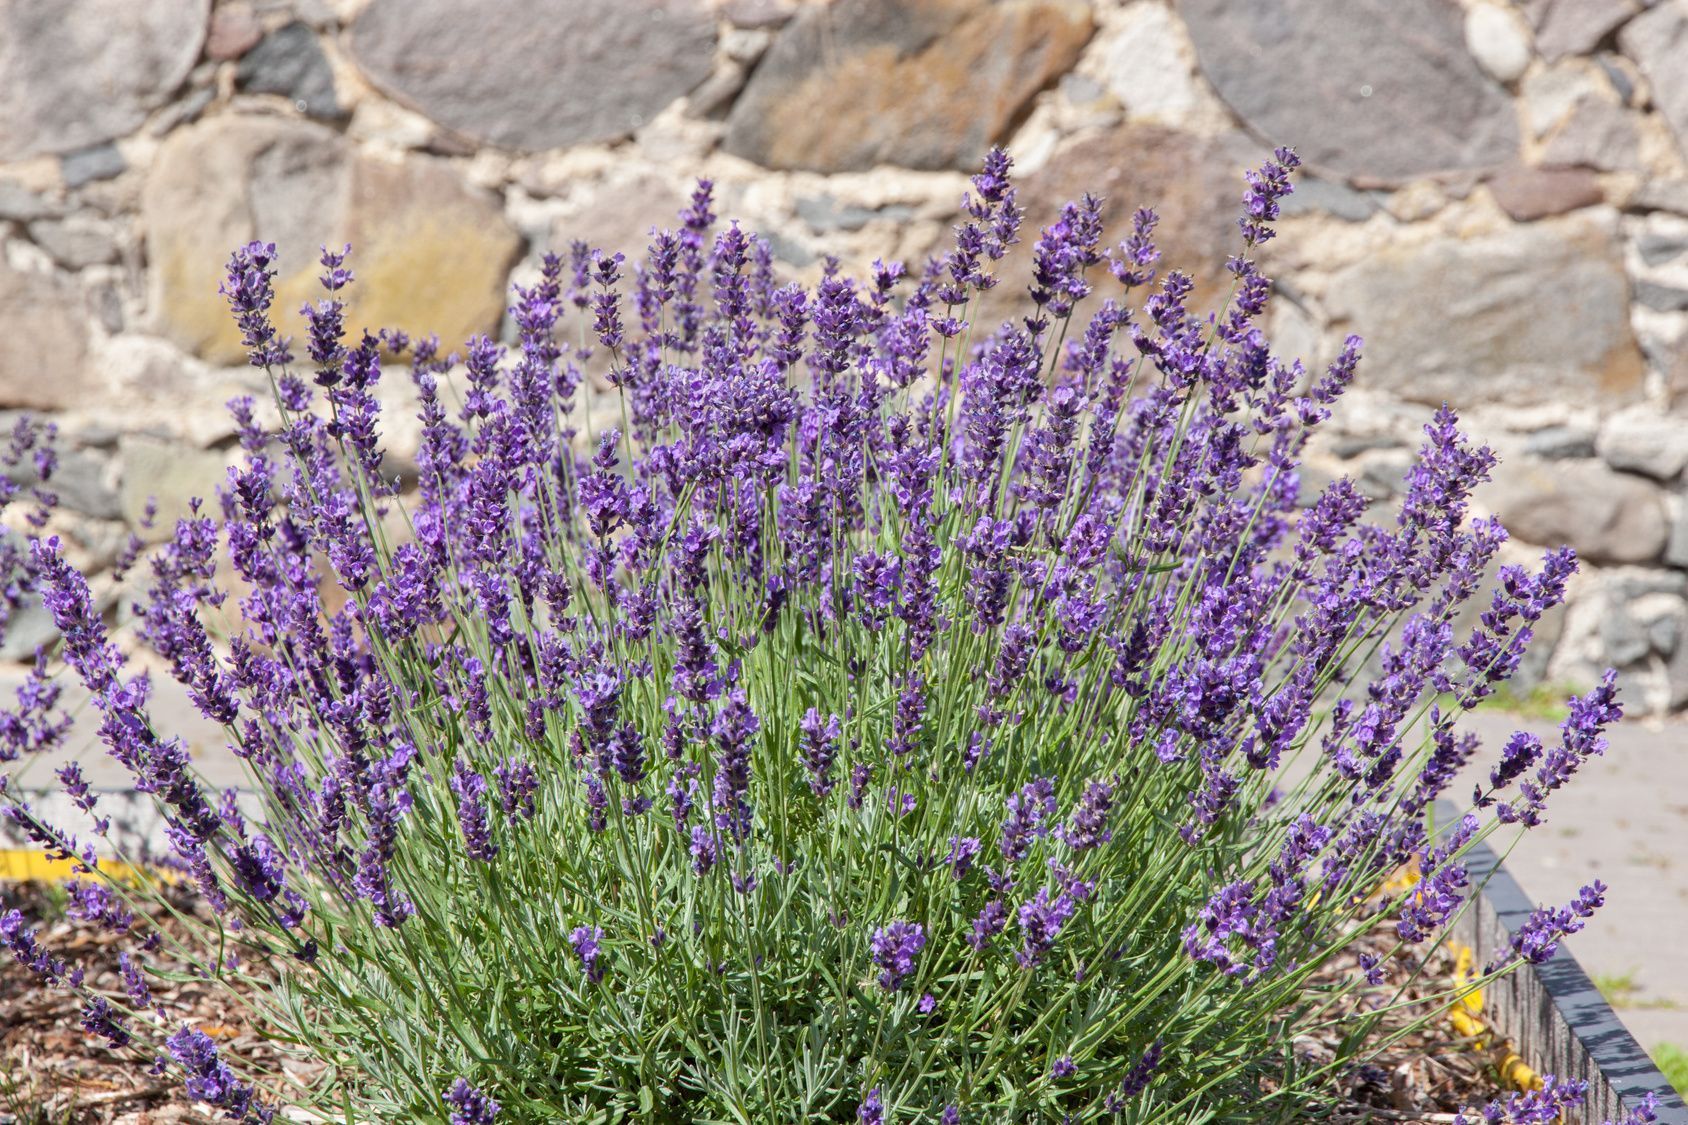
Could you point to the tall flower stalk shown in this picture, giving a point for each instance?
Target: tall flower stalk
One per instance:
(897, 717)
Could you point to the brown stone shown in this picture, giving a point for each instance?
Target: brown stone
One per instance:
(1529, 314)
(235, 29)
(1192, 183)
(77, 73)
(1528, 194)
(918, 83)
(431, 253)
(43, 342)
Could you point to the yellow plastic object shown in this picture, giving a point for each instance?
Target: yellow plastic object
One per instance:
(1466, 1017)
(1404, 879)
(21, 865)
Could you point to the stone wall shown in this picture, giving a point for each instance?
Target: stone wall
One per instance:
(1498, 201)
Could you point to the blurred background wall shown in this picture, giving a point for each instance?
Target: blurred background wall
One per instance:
(1497, 200)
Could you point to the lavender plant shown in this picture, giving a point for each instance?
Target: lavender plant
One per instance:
(893, 718)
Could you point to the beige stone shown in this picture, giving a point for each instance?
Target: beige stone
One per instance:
(43, 342)
(430, 252)
(170, 475)
(1519, 315)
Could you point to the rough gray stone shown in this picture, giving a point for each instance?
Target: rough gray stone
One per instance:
(289, 61)
(1676, 548)
(1314, 196)
(1664, 298)
(1528, 194)
(1676, 679)
(75, 242)
(87, 484)
(1530, 314)
(105, 303)
(183, 112)
(1620, 72)
(536, 74)
(1383, 475)
(1380, 90)
(824, 213)
(759, 13)
(715, 97)
(1609, 517)
(30, 627)
(1598, 135)
(1643, 441)
(20, 204)
(1556, 443)
(172, 475)
(1660, 195)
(1352, 445)
(833, 93)
(1664, 633)
(1575, 27)
(75, 73)
(43, 342)
(619, 215)
(86, 165)
(1658, 247)
(1624, 638)
(1658, 42)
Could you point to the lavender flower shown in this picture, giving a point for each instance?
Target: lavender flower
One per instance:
(209, 1079)
(469, 1106)
(584, 940)
(818, 747)
(470, 788)
(894, 949)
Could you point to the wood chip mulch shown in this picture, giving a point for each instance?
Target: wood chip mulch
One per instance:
(54, 1073)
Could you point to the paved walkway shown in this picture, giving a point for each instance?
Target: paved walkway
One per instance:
(1624, 821)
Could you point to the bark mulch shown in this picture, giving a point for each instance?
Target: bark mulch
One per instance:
(54, 1073)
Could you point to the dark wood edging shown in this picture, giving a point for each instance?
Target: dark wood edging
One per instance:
(1557, 1020)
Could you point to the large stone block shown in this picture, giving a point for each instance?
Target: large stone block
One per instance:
(919, 83)
(1575, 27)
(1658, 41)
(1193, 184)
(1378, 90)
(431, 253)
(1528, 314)
(1608, 517)
(170, 476)
(43, 342)
(74, 73)
(536, 74)
(1643, 440)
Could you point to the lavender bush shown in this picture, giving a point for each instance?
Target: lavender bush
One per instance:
(891, 719)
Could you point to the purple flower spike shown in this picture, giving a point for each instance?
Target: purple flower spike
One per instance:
(469, 1106)
(584, 940)
(894, 949)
